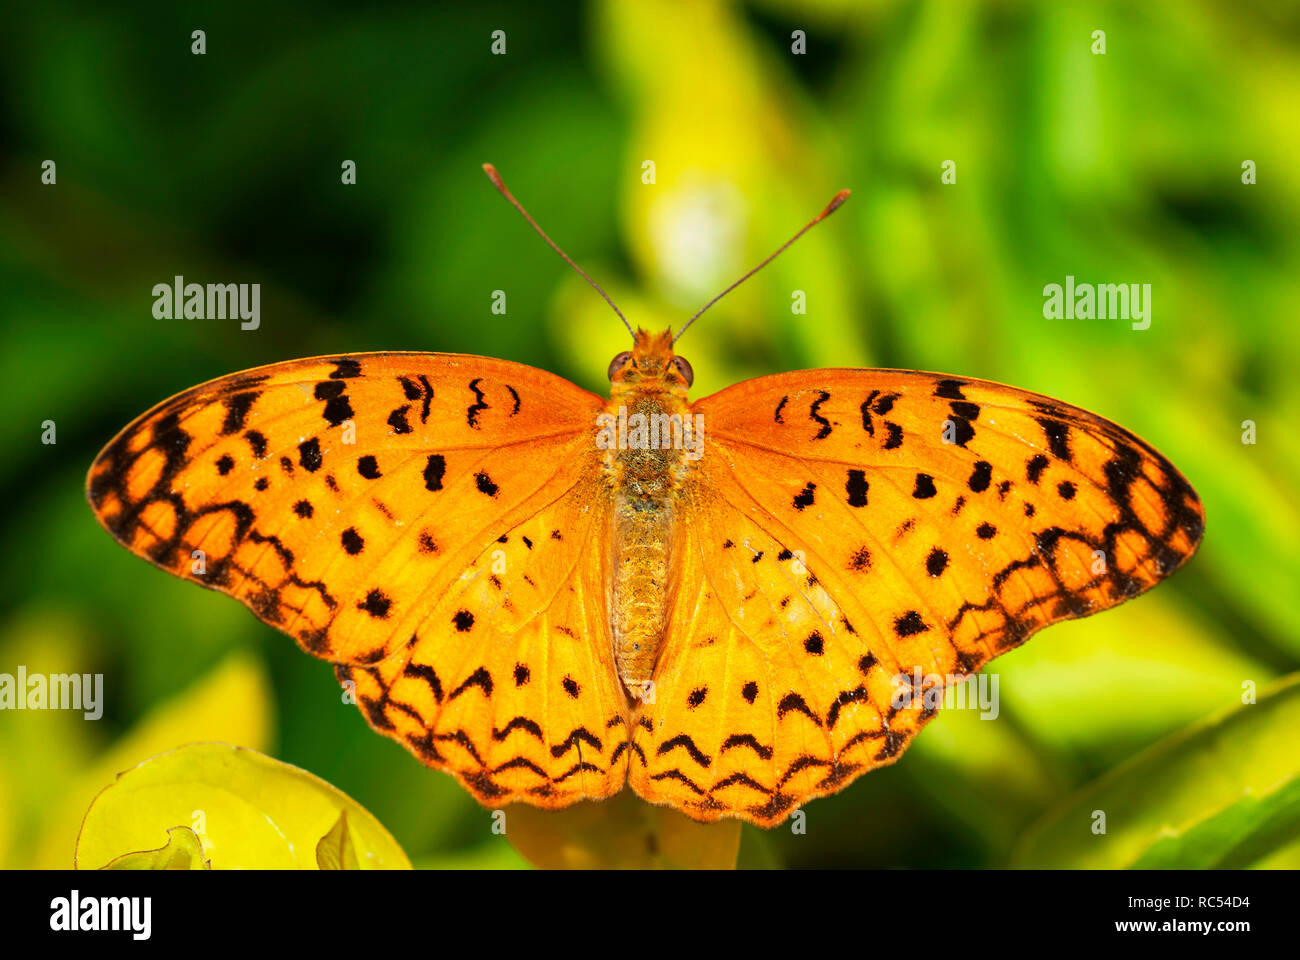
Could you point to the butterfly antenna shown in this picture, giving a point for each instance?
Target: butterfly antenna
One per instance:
(830, 208)
(497, 182)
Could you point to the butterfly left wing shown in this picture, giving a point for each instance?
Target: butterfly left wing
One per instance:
(847, 530)
(430, 523)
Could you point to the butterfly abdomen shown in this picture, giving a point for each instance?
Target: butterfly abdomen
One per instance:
(642, 534)
(646, 468)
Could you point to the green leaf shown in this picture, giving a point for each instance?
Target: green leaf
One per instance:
(248, 810)
(1221, 836)
(335, 851)
(1223, 792)
(621, 832)
(183, 851)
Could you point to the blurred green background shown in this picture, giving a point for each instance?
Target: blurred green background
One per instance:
(225, 167)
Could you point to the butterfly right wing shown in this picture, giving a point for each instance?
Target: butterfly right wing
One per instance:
(358, 503)
(850, 530)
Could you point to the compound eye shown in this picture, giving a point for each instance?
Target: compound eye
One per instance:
(616, 364)
(684, 368)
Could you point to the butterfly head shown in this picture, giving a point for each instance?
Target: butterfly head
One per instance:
(651, 364)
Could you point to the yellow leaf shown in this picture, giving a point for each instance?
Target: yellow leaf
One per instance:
(250, 811)
(335, 850)
(184, 851)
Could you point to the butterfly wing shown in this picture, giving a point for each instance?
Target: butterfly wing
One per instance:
(425, 522)
(851, 533)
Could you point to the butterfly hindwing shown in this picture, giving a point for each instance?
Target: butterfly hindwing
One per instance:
(765, 695)
(509, 682)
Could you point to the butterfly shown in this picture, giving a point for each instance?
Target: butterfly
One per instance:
(724, 604)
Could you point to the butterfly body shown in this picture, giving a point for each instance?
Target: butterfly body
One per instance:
(647, 466)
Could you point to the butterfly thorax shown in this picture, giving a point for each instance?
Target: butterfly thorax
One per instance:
(650, 443)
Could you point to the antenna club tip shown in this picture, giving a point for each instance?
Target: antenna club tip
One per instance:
(491, 171)
(836, 203)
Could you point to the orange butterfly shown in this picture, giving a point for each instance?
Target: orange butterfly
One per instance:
(550, 595)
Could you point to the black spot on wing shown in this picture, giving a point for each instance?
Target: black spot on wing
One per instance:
(1058, 437)
(910, 624)
(421, 390)
(856, 488)
(337, 406)
(962, 430)
(257, 443)
(746, 740)
(309, 455)
(949, 389)
(434, 470)
(352, 541)
(345, 367)
(793, 703)
(377, 604)
(397, 419)
(237, 408)
(805, 497)
(478, 406)
(686, 743)
(479, 678)
(868, 424)
(814, 414)
(856, 695)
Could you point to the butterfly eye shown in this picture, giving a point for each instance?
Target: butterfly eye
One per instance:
(684, 368)
(616, 364)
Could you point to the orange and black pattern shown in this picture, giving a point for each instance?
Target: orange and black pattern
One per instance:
(438, 527)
